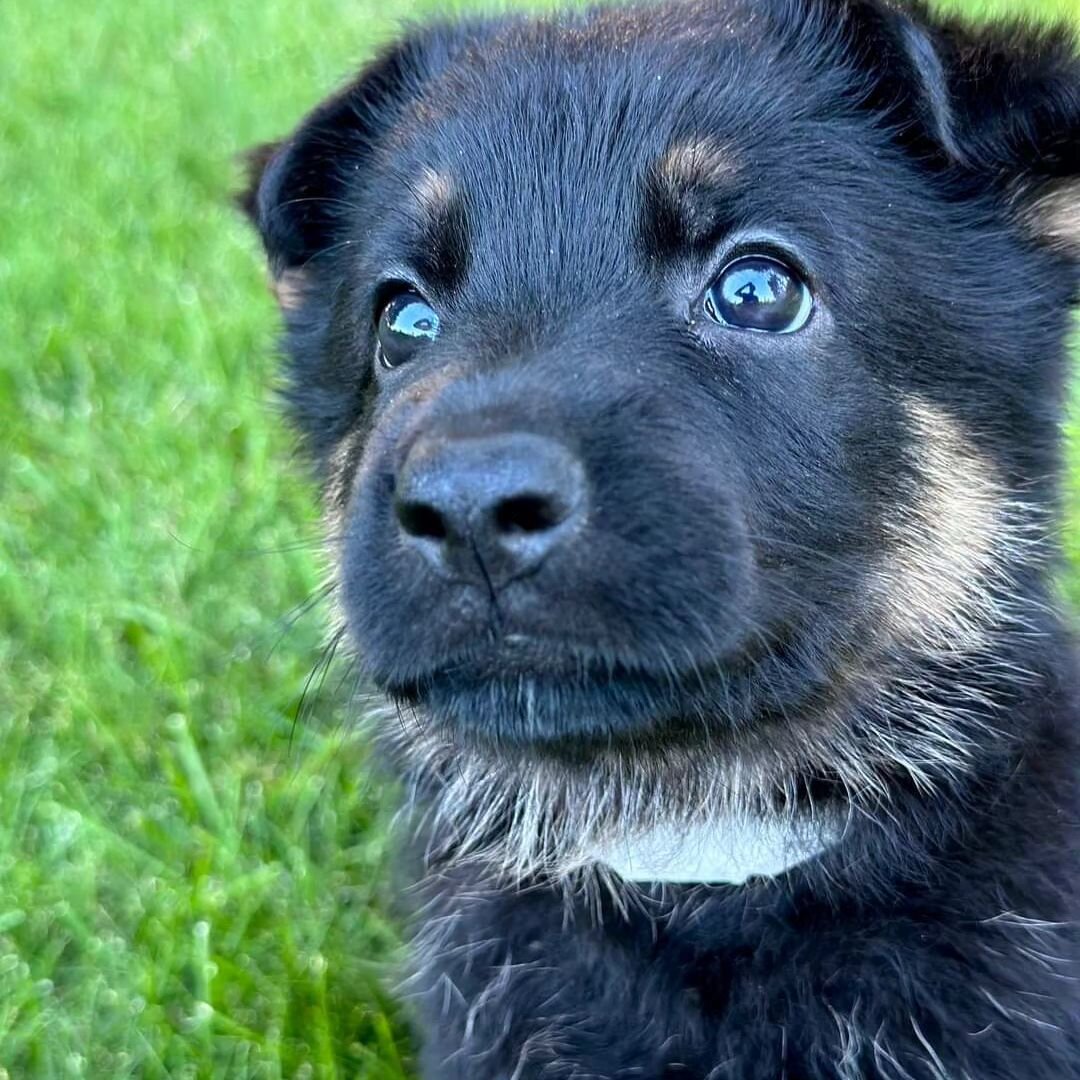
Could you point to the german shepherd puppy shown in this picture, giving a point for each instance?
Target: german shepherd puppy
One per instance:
(685, 385)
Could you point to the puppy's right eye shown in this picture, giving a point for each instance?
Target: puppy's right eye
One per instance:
(407, 322)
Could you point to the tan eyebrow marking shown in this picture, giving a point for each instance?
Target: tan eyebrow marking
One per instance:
(433, 191)
(697, 162)
(683, 191)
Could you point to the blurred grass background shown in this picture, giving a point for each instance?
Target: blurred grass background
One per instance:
(190, 884)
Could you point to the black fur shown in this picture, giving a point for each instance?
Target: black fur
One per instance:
(763, 571)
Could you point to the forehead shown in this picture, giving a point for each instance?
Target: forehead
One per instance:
(558, 145)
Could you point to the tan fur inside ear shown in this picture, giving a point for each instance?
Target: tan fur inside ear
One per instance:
(288, 288)
(1054, 217)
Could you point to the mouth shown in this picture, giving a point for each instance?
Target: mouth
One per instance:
(523, 695)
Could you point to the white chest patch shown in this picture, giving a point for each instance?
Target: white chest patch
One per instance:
(724, 851)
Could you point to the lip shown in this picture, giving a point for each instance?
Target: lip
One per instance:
(533, 691)
(499, 654)
(530, 707)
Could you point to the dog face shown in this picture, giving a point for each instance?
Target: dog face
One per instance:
(682, 373)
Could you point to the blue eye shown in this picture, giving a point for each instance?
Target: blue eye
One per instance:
(406, 323)
(757, 292)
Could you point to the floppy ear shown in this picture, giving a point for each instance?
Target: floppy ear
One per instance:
(1012, 98)
(1004, 103)
(998, 106)
(297, 194)
(1013, 106)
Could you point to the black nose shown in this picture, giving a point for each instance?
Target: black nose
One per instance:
(492, 505)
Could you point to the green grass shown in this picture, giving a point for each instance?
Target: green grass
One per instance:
(188, 885)
(989, 9)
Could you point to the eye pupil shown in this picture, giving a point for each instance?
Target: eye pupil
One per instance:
(406, 323)
(757, 292)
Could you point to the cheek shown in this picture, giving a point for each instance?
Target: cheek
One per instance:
(819, 444)
(792, 429)
(381, 438)
(342, 467)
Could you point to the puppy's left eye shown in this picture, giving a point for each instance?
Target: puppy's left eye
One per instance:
(758, 292)
(407, 322)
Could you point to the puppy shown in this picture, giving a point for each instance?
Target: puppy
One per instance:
(684, 383)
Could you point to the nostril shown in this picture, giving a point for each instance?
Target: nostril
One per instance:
(421, 520)
(528, 514)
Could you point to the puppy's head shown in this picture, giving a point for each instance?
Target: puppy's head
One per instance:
(682, 375)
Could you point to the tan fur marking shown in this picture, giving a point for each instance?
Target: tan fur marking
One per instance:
(700, 161)
(337, 493)
(1055, 217)
(934, 583)
(433, 190)
(288, 288)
